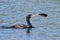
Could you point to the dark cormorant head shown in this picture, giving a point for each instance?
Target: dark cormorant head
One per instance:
(29, 15)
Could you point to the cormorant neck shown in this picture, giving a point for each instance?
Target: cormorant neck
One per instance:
(28, 22)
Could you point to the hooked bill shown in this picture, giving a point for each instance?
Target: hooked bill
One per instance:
(42, 14)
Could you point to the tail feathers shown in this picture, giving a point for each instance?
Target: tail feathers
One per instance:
(6, 27)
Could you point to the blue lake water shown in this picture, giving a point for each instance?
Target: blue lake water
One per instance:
(15, 11)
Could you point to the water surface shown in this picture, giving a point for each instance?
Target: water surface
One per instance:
(15, 11)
